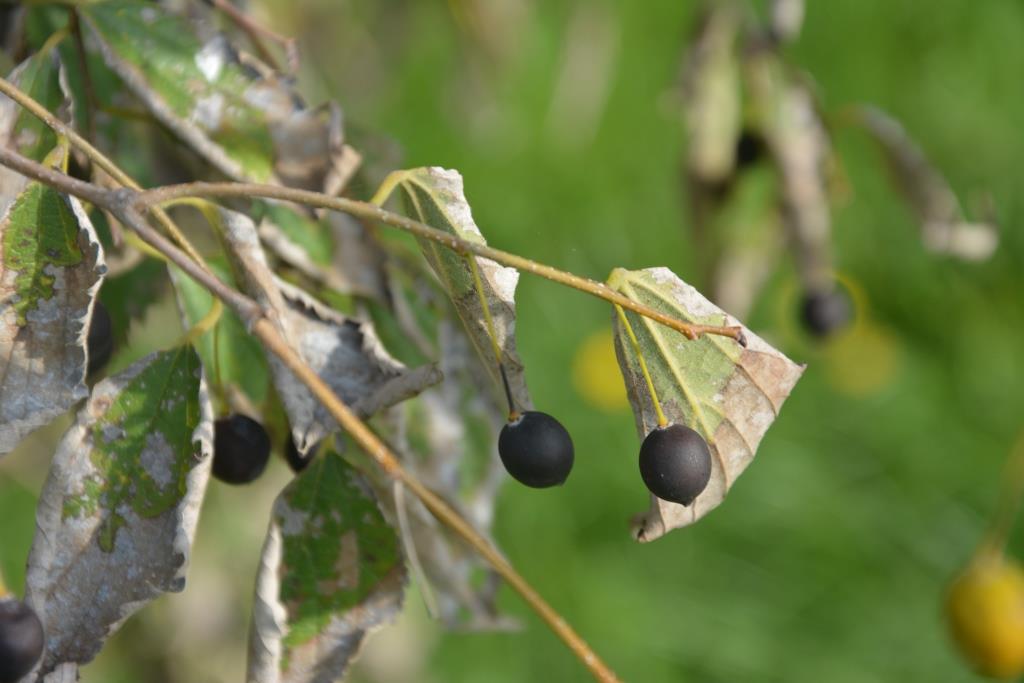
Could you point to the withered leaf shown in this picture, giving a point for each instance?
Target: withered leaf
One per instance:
(345, 352)
(944, 229)
(729, 394)
(435, 196)
(51, 265)
(331, 572)
(118, 513)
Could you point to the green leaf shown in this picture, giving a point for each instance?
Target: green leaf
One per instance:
(435, 196)
(39, 76)
(51, 265)
(200, 92)
(118, 511)
(729, 394)
(308, 234)
(331, 571)
(239, 358)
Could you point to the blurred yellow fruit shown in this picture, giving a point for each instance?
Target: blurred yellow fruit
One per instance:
(985, 611)
(595, 373)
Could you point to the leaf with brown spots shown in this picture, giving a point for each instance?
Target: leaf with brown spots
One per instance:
(728, 393)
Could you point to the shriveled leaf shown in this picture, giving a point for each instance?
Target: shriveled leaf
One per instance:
(51, 265)
(435, 196)
(246, 121)
(118, 513)
(448, 436)
(711, 96)
(729, 394)
(330, 574)
(944, 229)
(345, 352)
(41, 76)
(800, 147)
(239, 358)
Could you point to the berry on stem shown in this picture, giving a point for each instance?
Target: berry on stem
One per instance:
(675, 463)
(825, 312)
(241, 449)
(100, 340)
(536, 449)
(21, 640)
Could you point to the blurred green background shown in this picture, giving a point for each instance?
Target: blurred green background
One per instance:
(829, 558)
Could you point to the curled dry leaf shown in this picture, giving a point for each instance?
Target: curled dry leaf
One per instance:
(729, 394)
(448, 436)
(245, 120)
(944, 229)
(711, 96)
(118, 512)
(435, 196)
(345, 352)
(801, 149)
(51, 265)
(331, 572)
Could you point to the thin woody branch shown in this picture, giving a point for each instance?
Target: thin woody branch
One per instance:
(124, 204)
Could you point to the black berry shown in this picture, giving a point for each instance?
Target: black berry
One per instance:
(21, 640)
(100, 341)
(241, 449)
(536, 449)
(750, 148)
(675, 463)
(825, 312)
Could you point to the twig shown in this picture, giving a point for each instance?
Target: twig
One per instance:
(124, 205)
(372, 212)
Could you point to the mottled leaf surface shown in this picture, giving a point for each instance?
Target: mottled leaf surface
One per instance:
(118, 512)
(728, 393)
(331, 572)
(51, 265)
(245, 120)
(944, 229)
(435, 196)
(345, 352)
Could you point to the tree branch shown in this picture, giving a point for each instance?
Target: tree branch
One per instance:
(124, 204)
(372, 212)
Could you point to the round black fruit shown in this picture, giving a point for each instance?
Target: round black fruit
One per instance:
(825, 312)
(750, 147)
(241, 449)
(536, 449)
(675, 463)
(21, 640)
(100, 341)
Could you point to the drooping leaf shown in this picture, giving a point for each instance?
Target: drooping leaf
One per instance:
(448, 437)
(245, 120)
(944, 229)
(800, 147)
(345, 352)
(435, 196)
(51, 265)
(118, 513)
(729, 394)
(711, 96)
(239, 358)
(331, 572)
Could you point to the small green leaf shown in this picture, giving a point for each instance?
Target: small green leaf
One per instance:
(198, 91)
(729, 394)
(239, 359)
(332, 571)
(118, 511)
(435, 196)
